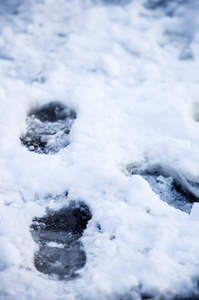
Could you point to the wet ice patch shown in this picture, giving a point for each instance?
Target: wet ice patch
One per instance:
(168, 188)
(58, 235)
(48, 128)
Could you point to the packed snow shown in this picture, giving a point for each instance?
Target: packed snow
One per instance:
(129, 72)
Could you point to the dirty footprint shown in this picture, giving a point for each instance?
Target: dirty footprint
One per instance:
(58, 236)
(48, 128)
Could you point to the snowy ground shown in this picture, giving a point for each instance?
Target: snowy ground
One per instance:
(129, 69)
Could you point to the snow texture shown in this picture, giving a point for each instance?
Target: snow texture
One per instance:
(128, 72)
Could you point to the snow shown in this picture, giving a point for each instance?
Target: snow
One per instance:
(195, 212)
(130, 72)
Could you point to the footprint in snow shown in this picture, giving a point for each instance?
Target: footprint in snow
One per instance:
(58, 236)
(168, 188)
(48, 128)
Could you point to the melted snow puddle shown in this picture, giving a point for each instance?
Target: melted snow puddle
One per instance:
(168, 189)
(48, 128)
(58, 235)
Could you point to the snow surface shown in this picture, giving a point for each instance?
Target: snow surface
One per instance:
(130, 71)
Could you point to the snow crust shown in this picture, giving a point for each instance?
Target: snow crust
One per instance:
(130, 71)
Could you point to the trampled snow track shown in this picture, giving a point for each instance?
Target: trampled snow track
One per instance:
(109, 89)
